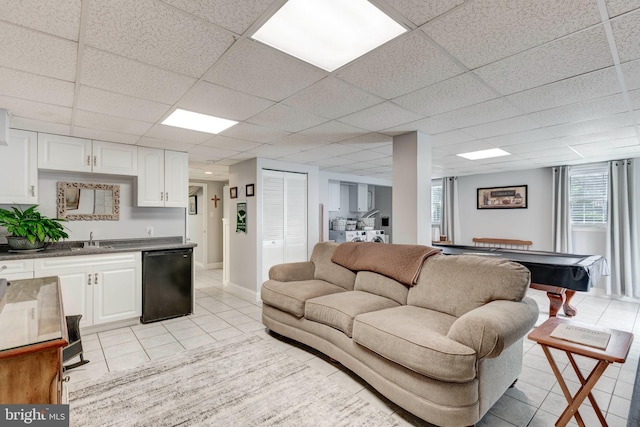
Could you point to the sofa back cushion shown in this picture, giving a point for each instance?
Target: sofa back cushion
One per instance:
(383, 286)
(456, 284)
(327, 270)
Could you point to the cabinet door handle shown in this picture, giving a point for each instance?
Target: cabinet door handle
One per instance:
(162, 196)
(95, 160)
(33, 191)
(95, 282)
(88, 160)
(4, 267)
(89, 279)
(166, 196)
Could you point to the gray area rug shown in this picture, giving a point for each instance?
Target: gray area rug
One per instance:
(247, 381)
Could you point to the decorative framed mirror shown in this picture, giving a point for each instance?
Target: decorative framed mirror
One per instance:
(78, 201)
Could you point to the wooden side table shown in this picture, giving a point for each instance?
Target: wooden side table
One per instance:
(616, 351)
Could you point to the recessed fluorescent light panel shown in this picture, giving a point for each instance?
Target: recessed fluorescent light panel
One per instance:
(484, 154)
(196, 121)
(328, 33)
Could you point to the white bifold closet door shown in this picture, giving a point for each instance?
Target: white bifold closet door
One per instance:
(284, 231)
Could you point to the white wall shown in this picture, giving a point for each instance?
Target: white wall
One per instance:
(196, 229)
(166, 222)
(533, 223)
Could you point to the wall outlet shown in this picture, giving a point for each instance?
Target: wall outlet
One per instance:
(149, 231)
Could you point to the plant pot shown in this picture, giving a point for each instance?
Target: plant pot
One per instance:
(23, 244)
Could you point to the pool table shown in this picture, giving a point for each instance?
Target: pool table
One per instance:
(559, 274)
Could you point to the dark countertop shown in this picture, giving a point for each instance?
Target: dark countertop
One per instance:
(73, 248)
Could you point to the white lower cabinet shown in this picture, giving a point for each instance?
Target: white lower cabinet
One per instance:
(16, 269)
(103, 288)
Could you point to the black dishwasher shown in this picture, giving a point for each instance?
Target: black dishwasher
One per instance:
(167, 284)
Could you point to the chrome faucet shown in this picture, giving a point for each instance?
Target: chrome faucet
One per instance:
(90, 243)
(91, 238)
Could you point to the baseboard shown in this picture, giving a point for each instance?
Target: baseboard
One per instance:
(601, 293)
(242, 292)
(214, 265)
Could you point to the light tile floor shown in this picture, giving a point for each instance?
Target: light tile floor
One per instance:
(535, 401)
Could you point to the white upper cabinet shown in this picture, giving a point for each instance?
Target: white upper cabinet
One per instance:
(19, 168)
(163, 178)
(334, 196)
(358, 198)
(56, 152)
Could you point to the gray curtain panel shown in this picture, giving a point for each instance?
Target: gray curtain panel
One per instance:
(622, 231)
(561, 221)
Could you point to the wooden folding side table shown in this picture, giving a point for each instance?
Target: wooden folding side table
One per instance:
(616, 351)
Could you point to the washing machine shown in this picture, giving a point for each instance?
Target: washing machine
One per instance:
(347, 236)
(376, 236)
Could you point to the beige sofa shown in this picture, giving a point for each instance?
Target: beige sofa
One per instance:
(445, 347)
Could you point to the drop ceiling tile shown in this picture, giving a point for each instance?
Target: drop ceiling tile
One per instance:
(449, 138)
(524, 137)
(481, 32)
(569, 56)
(608, 135)
(236, 16)
(553, 155)
(634, 96)
(405, 64)
(231, 143)
(154, 33)
(502, 127)
(618, 7)
(35, 110)
(596, 84)
(384, 149)
(115, 104)
(488, 111)
(381, 116)
(333, 98)
(428, 126)
(364, 156)
(172, 133)
(286, 118)
(114, 73)
(19, 84)
(333, 131)
(299, 142)
(265, 72)
(593, 125)
(549, 144)
(301, 157)
(387, 160)
(270, 151)
(104, 135)
(229, 161)
(333, 150)
(147, 141)
(60, 18)
(39, 126)
(99, 121)
(451, 94)
(420, 11)
(251, 132)
(368, 141)
(38, 53)
(200, 152)
(331, 162)
(626, 31)
(631, 73)
(207, 98)
(582, 111)
(595, 148)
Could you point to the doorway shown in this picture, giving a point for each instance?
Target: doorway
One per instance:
(197, 224)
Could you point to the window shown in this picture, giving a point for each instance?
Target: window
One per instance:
(588, 194)
(436, 202)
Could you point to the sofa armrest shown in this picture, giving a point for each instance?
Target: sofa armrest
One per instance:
(494, 326)
(292, 271)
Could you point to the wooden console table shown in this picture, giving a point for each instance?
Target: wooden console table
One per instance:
(616, 352)
(34, 331)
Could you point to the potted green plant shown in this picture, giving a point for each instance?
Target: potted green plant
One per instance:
(29, 229)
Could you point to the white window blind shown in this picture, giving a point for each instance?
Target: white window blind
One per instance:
(436, 201)
(588, 194)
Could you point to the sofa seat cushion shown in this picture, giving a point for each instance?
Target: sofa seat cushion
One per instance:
(339, 310)
(291, 296)
(416, 338)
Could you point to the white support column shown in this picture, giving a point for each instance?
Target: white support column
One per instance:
(412, 189)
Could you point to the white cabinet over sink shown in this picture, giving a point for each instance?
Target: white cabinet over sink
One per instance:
(56, 152)
(163, 178)
(19, 168)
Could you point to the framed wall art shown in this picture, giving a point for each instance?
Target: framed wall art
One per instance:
(249, 190)
(233, 192)
(512, 197)
(193, 205)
